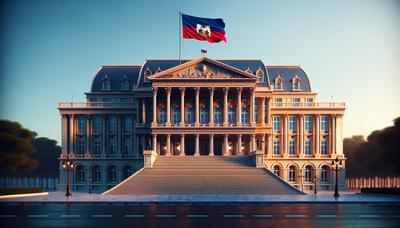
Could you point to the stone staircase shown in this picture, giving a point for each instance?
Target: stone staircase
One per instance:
(203, 175)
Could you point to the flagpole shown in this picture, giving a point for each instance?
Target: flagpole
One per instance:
(180, 36)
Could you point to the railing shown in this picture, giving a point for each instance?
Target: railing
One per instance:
(95, 105)
(373, 182)
(29, 182)
(308, 105)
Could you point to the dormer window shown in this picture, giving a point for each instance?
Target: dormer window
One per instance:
(158, 70)
(147, 73)
(248, 70)
(278, 83)
(106, 83)
(125, 83)
(260, 75)
(296, 83)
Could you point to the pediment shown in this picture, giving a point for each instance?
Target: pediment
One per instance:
(203, 68)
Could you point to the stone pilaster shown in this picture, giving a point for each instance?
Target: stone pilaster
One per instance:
(239, 107)
(197, 111)
(225, 149)
(154, 123)
(197, 145)
(225, 123)
(263, 111)
(301, 136)
(182, 152)
(211, 145)
(269, 151)
(182, 89)
(154, 147)
(317, 136)
(211, 117)
(285, 136)
(269, 103)
(239, 145)
(252, 98)
(168, 145)
(253, 143)
(143, 110)
(168, 106)
(71, 135)
(88, 136)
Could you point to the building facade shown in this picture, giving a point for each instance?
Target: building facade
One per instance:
(201, 107)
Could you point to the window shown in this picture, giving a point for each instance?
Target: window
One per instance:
(112, 145)
(128, 147)
(296, 102)
(112, 124)
(81, 124)
(97, 125)
(96, 145)
(279, 83)
(292, 123)
(277, 170)
(296, 84)
(277, 123)
(324, 174)
(147, 74)
(190, 116)
(308, 123)
(278, 102)
(255, 114)
(106, 84)
(308, 173)
(80, 145)
(277, 147)
(128, 124)
(308, 147)
(163, 116)
(111, 174)
(292, 147)
(218, 115)
(127, 171)
(204, 115)
(79, 174)
(248, 70)
(245, 115)
(292, 173)
(125, 84)
(177, 116)
(309, 102)
(231, 116)
(260, 74)
(96, 174)
(324, 147)
(324, 123)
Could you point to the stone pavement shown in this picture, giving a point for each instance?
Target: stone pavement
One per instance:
(321, 197)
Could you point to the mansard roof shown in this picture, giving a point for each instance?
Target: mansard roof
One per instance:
(115, 74)
(287, 74)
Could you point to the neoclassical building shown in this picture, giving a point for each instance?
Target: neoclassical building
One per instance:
(201, 107)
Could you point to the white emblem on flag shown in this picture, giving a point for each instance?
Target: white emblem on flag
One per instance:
(203, 30)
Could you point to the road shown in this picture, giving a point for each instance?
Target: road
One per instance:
(198, 215)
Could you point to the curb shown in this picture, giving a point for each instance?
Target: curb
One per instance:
(24, 195)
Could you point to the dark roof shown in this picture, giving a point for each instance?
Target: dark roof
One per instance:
(115, 74)
(287, 73)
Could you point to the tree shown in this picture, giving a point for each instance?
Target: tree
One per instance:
(47, 155)
(16, 147)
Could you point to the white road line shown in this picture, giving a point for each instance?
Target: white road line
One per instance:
(262, 216)
(197, 216)
(368, 216)
(101, 216)
(70, 216)
(233, 216)
(8, 216)
(327, 216)
(295, 216)
(37, 216)
(165, 216)
(134, 216)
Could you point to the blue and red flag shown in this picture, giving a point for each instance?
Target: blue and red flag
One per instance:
(199, 28)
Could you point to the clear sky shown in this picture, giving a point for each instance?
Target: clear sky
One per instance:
(50, 50)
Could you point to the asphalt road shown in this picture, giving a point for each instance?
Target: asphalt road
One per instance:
(199, 215)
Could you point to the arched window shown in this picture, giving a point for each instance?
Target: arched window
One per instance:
(218, 115)
(324, 174)
(163, 115)
(147, 73)
(106, 84)
(277, 170)
(127, 171)
(96, 174)
(278, 83)
(248, 70)
(204, 115)
(177, 116)
(79, 174)
(260, 74)
(308, 174)
(231, 115)
(292, 173)
(112, 174)
(296, 84)
(245, 115)
(190, 116)
(125, 84)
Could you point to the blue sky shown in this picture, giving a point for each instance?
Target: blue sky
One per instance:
(50, 50)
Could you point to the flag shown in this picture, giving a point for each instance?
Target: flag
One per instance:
(199, 28)
(204, 51)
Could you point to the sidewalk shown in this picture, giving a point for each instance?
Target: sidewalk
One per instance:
(321, 197)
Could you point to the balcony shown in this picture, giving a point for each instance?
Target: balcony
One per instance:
(308, 105)
(98, 105)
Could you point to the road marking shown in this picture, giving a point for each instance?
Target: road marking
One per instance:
(37, 216)
(134, 216)
(327, 216)
(295, 216)
(8, 216)
(12, 204)
(165, 216)
(32, 204)
(118, 204)
(101, 216)
(368, 216)
(70, 216)
(262, 216)
(233, 216)
(197, 216)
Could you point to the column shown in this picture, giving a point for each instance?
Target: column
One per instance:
(269, 110)
(252, 106)
(197, 145)
(168, 107)
(239, 145)
(154, 147)
(263, 143)
(253, 143)
(211, 107)
(154, 106)
(333, 135)
(317, 137)
(211, 145)
(64, 124)
(263, 111)
(339, 135)
(225, 107)
(225, 148)
(269, 150)
(182, 106)
(88, 136)
(285, 136)
(168, 153)
(143, 110)
(239, 107)
(197, 111)
(301, 136)
(71, 135)
(182, 152)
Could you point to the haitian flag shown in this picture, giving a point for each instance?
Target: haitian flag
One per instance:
(199, 28)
